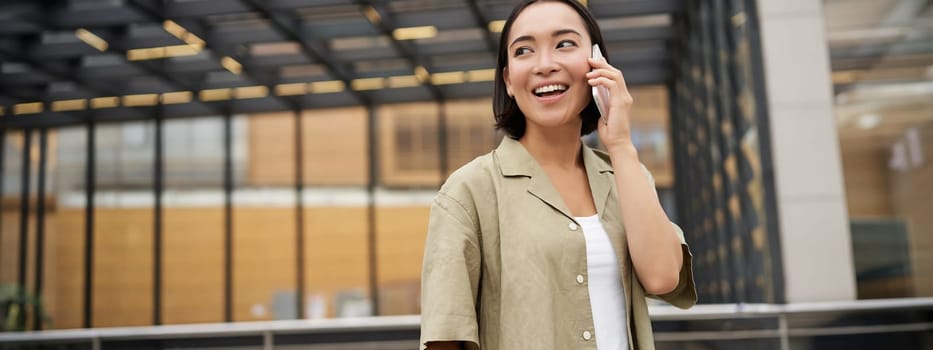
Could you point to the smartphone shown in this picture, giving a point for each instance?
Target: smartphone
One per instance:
(600, 93)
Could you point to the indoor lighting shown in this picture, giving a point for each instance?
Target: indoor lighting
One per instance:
(69, 105)
(150, 53)
(105, 102)
(481, 75)
(292, 89)
(91, 39)
(411, 33)
(181, 50)
(176, 97)
(257, 91)
(140, 100)
(174, 28)
(496, 26)
(403, 81)
(231, 65)
(215, 94)
(367, 84)
(372, 15)
(323, 87)
(869, 121)
(422, 74)
(27, 108)
(447, 78)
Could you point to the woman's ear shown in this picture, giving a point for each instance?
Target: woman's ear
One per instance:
(508, 84)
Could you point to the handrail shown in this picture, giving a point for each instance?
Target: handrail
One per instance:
(412, 323)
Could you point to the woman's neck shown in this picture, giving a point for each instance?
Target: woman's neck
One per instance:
(553, 148)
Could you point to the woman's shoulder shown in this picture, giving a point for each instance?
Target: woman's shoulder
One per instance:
(477, 172)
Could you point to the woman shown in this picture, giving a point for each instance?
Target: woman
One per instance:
(545, 243)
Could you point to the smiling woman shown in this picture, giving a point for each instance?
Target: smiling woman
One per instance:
(530, 246)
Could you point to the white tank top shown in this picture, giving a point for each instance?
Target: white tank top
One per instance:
(605, 286)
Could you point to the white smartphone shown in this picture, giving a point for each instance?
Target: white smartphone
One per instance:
(600, 93)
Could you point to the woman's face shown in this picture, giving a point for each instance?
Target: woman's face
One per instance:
(547, 63)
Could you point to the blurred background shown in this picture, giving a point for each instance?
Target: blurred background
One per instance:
(204, 163)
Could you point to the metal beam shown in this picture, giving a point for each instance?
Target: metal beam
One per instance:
(409, 52)
(287, 30)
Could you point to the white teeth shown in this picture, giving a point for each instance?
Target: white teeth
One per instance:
(550, 88)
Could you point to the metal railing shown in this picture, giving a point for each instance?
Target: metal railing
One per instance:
(720, 326)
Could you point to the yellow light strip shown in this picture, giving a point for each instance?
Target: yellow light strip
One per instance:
(292, 89)
(215, 94)
(181, 50)
(411, 33)
(2, 111)
(69, 105)
(481, 75)
(27, 108)
(422, 74)
(257, 91)
(372, 15)
(325, 87)
(175, 97)
(231, 65)
(367, 84)
(140, 100)
(193, 40)
(174, 28)
(105, 102)
(91, 39)
(447, 78)
(403, 81)
(496, 26)
(150, 53)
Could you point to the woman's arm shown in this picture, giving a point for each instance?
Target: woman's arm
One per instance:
(653, 244)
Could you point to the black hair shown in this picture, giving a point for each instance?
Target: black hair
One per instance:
(509, 118)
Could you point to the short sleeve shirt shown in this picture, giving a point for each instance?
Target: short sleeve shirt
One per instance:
(504, 259)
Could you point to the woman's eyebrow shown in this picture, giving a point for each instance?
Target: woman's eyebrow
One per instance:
(556, 33)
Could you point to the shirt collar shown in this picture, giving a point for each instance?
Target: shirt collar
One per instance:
(514, 160)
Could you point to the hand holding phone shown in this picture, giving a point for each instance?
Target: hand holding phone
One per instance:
(600, 93)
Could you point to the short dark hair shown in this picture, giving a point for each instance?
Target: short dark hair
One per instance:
(509, 117)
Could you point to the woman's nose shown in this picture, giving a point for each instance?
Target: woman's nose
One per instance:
(546, 64)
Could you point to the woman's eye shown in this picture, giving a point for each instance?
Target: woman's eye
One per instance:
(566, 43)
(521, 51)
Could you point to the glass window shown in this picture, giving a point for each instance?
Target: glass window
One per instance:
(192, 221)
(883, 92)
(123, 225)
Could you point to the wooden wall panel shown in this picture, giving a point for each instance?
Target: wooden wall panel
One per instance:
(867, 183)
(263, 260)
(336, 258)
(9, 246)
(122, 267)
(271, 149)
(913, 201)
(400, 237)
(64, 268)
(336, 146)
(192, 272)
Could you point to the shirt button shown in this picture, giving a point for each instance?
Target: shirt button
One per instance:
(587, 335)
(573, 226)
(580, 279)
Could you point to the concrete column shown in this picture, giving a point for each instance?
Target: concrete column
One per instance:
(815, 239)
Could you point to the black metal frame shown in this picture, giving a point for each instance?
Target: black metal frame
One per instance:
(285, 23)
(708, 129)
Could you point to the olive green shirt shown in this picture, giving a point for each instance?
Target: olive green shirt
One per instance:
(505, 262)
